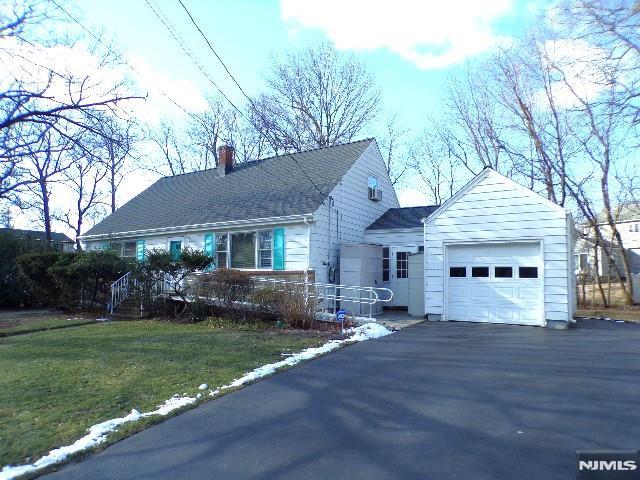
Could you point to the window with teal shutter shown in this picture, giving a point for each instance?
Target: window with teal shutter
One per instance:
(278, 248)
(210, 250)
(140, 250)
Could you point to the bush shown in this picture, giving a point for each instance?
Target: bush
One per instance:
(15, 290)
(72, 279)
(297, 309)
(231, 288)
(267, 303)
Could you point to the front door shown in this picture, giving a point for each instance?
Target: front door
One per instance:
(399, 270)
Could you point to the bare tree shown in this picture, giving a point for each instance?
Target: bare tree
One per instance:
(316, 98)
(174, 158)
(394, 149)
(37, 100)
(84, 178)
(115, 146)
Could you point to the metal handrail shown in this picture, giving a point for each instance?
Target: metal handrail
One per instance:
(120, 291)
(336, 292)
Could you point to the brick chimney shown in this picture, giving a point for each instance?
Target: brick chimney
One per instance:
(225, 159)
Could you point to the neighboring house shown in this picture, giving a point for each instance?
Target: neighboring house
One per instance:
(59, 241)
(495, 252)
(628, 225)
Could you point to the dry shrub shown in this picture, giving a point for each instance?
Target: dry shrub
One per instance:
(297, 309)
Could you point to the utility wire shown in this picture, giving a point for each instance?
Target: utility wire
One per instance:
(260, 131)
(118, 56)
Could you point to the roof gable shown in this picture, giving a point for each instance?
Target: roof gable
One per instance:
(485, 173)
(272, 187)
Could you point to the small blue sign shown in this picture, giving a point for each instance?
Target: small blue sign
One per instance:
(341, 315)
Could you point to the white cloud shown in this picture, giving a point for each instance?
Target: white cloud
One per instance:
(410, 197)
(430, 34)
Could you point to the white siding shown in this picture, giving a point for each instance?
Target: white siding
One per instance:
(352, 211)
(295, 242)
(496, 209)
(403, 237)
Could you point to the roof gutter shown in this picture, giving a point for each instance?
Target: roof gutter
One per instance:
(253, 222)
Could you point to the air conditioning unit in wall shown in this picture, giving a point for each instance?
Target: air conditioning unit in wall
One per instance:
(375, 194)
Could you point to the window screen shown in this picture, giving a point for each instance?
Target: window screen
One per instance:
(528, 272)
(402, 264)
(265, 240)
(480, 272)
(243, 250)
(503, 272)
(385, 264)
(457, 271)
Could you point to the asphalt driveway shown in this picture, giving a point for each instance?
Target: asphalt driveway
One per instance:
(438, 400)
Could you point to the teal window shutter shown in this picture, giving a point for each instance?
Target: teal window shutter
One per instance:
(278, 248)
(140, 250)
(210, 250)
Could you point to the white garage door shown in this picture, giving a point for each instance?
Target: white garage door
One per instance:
(499, 283)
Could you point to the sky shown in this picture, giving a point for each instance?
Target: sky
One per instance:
(411, 47)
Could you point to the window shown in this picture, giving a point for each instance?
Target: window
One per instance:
(631, 227)
(265, 241)
(385, 264)
(480, 272)
(528, 272)
(457, 271)
(243, 250)
(503, 272)
(402, 264)
(637, 228)
(221, 250)
(129, 250)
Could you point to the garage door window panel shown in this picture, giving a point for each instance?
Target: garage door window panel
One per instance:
(503, 272)
(457, 272)
(480, 272)
(528, 272)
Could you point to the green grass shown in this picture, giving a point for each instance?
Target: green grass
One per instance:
(34, 324)
(55, 384)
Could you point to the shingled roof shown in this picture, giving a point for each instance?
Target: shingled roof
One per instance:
(406, 217)
(272, 187)
(36, 235)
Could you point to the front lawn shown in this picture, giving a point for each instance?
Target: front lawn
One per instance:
(55, 384)
(26, 322)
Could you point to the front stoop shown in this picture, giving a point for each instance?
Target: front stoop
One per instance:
(128, 310)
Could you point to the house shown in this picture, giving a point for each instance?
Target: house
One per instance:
(494, 252)
(59, 241)
(587, 255)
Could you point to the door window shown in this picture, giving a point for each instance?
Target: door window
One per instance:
(480, 272)
(457, 272)
(528, 272)
(402, 264)
(385, 264)
(503, 272)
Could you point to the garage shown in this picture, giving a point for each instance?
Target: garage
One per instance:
(498, 283)
(498, 252)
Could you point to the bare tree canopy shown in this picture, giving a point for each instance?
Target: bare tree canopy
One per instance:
(316, 98)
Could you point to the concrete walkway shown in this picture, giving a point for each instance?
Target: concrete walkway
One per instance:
(433, 401)
(397, 319)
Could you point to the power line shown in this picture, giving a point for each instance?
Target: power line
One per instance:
(118, 56)
(195, 24)
(157, 10)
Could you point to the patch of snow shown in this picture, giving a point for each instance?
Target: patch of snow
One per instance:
(98, 433)
(102, 319)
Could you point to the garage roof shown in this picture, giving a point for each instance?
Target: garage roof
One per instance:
(406, 217)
